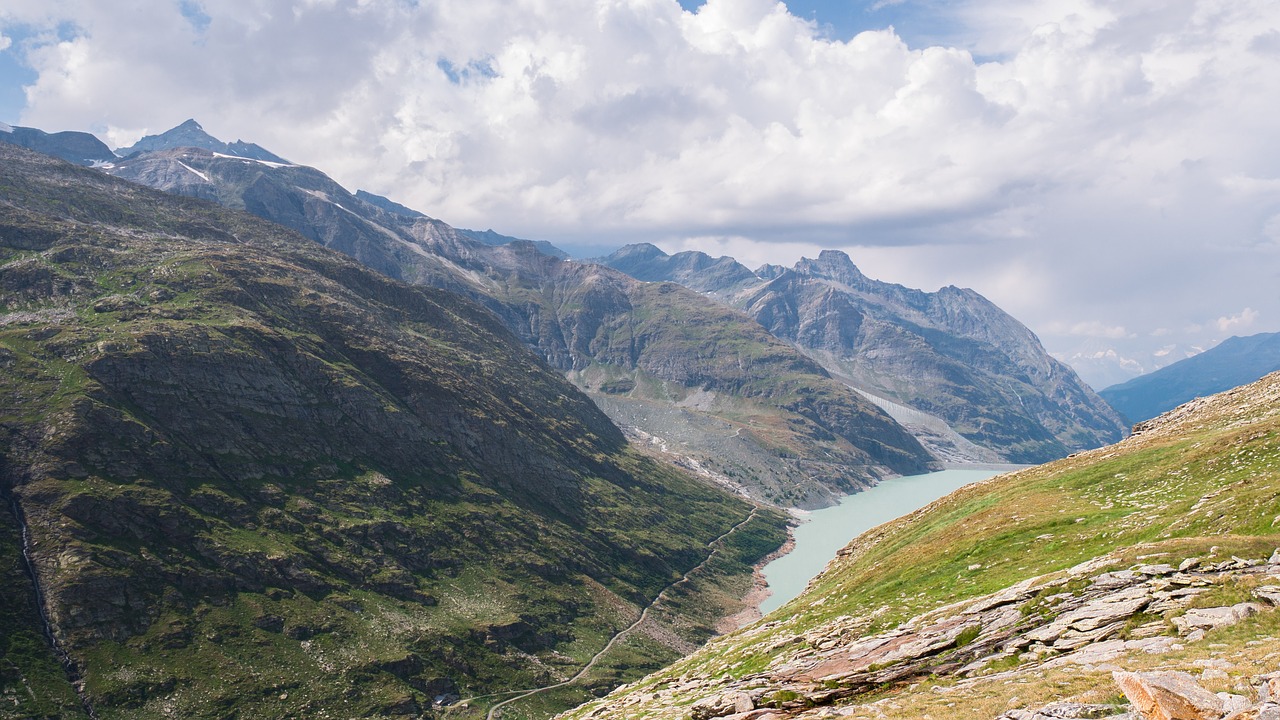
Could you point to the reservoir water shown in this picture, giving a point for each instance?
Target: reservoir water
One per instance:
(825, 531)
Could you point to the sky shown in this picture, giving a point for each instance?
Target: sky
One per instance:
(1108, 172)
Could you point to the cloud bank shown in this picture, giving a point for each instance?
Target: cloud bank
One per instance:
(1088, 165)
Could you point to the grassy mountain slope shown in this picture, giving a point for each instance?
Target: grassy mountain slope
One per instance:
(694, 377)
(1193, 490)
(260, 480)
(1236, 361)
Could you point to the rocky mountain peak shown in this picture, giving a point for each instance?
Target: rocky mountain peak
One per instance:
(769, 271)
(637, 251)
(693, 269)
(191, 134)
(832, 265)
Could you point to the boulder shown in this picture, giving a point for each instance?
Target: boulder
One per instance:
(721, 705)
(1168, 696)
(1215, 617)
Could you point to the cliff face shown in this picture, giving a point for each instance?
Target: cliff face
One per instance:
(256, 478)
(698, 383)
(1018, 597)
(951, 354)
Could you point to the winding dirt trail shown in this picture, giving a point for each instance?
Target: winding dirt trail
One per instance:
(714, 544)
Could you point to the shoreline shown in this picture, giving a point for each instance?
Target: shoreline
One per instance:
(760, 590)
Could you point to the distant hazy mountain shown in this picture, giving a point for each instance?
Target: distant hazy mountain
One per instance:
(80, 148)
(951, 356)
(1236, 361)
(489, 237)
(1103, 362)
(697, 382)
(190, 134)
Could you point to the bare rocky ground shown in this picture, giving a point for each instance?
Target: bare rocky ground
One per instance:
(1089, 619)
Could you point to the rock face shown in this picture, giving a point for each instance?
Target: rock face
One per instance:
(1236, 361)
(700, 384)
(244, 475)
(951, 355)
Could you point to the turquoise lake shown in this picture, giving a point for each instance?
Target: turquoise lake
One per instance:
(825, 531)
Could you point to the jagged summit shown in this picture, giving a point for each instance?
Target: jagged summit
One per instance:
(980, 375)
(769, 271)
(832, 265)
(192, 134)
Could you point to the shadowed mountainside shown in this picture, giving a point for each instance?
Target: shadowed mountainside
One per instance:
(698, 383)
(250, 477)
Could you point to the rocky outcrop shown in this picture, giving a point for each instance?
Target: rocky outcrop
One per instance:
(1082, 617)
(1166, 695)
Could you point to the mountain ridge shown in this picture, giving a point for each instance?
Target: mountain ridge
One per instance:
(1235, 361)
(951, 354)
(805, 443)
(191, 134)
(76, 147)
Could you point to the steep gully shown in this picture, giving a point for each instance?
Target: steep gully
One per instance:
(495, 711)
(50, 635)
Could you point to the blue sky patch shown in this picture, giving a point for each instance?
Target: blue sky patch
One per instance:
(458, 74)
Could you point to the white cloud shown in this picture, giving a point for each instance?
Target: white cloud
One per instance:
(1101, 160)
(5, 42)
(1239, 322)
(1092, 329)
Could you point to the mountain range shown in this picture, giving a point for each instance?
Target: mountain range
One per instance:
(949, 363)
(247, 476)
(851, 355)
(696, 382)
(1235, 361)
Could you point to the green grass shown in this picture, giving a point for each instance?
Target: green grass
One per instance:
(1211, 486)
